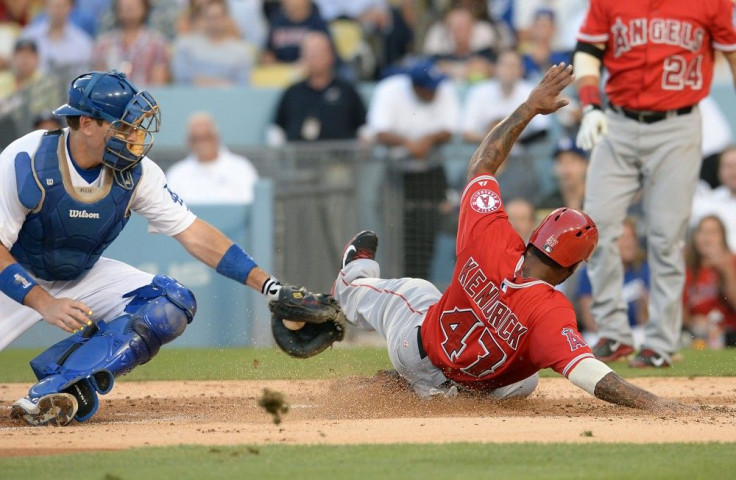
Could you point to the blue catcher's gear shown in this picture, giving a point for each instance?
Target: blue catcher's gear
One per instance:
(64, 237)
(133, 115)
(85, 364)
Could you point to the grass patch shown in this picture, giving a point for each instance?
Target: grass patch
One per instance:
(271, 363)
(365, 462)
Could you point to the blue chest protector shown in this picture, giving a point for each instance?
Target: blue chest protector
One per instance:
(64, 236)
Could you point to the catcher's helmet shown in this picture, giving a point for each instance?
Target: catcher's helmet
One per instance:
(567, 236)
(133, 115)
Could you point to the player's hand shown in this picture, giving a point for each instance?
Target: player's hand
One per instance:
(545, 98)
(67, 314)
(592, 128)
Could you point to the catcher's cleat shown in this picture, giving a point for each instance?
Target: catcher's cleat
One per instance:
(362, 245)
(648, 358)
(607, 350)
(53, 409)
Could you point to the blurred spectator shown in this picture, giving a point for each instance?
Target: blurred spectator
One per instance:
(635, 289)
(250, 21)
(61, 44)
(571, 164)
(47, 121)
(322, 107)
(289, 25)
(23, 68)
(569, 13)
(463, 47)
(414, 114)
(521, 216)
(720, 201)
(24, 92)
(538, 52)
(709, 298)
(14, 15)
(491, 101)
(83, 15)
(133, 49)
(16, 11)
(191, 20)
(163, 16)
(211, 173)
(213, 57)
(716, 138)
(385, 26)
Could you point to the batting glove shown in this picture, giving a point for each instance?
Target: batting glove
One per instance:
(592, 128)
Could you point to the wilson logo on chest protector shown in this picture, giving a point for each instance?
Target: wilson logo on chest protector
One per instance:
(83, 214)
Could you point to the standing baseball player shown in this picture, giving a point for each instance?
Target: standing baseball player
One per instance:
(659, 56)
(500, 321)
(64, 197)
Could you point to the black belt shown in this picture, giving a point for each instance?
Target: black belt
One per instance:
(420, 345)
(644, 116)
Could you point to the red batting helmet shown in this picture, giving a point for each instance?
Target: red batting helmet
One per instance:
(567, 236)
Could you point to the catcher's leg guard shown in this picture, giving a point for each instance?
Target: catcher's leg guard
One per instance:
(86, 363)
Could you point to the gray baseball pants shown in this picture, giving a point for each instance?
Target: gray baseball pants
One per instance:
(663, 160)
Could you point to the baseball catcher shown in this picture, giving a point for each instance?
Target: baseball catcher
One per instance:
(304, 323)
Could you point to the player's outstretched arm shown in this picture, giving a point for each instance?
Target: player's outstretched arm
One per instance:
(210, 246)
(614, 389)
(544, 99)
(597, 378)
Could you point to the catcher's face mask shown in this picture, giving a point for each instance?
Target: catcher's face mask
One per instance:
(130, 138)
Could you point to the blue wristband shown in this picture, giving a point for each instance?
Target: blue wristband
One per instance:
(236, 264)
(15, 282)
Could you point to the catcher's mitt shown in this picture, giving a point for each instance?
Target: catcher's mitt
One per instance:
(324, 322)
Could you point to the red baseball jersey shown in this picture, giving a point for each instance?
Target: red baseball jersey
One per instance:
(659, 53)
(492, 327)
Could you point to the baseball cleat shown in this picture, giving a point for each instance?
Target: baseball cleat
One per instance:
(648, 358)
(362, 245)
(607, 350)
(54, 409)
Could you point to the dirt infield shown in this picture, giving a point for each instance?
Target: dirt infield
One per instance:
(362, 410)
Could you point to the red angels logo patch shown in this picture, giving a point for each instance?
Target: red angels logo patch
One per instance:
(573, 338)
(485, 201)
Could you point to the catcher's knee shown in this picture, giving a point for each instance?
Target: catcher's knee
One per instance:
(161, 311)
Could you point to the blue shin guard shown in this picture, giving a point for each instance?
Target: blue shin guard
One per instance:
(85, 364)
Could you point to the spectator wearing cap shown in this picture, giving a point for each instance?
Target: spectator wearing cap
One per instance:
(289, 24)
(321, 107)
(62, 46)
(571, 164)
(132, 48)
(413, 114)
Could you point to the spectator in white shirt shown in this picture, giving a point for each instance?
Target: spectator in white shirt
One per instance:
(414, 114)
(720, 201)
(211, 173)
